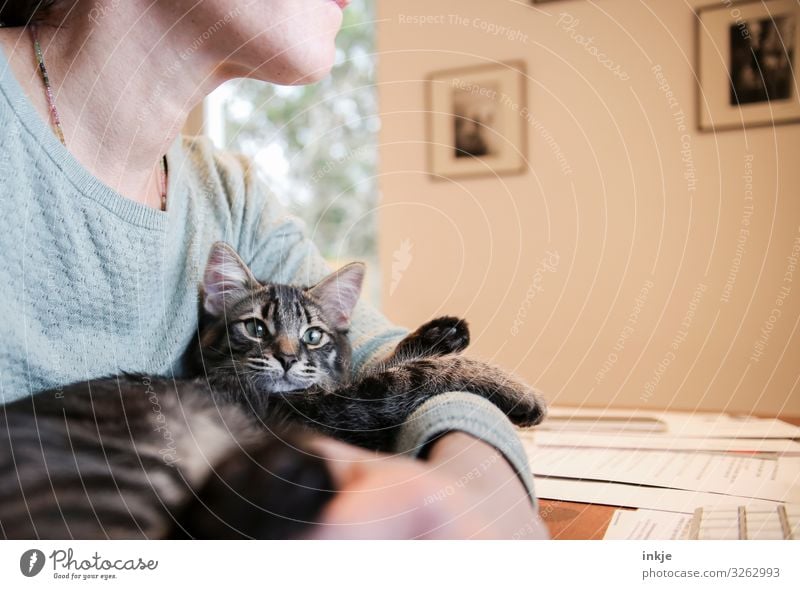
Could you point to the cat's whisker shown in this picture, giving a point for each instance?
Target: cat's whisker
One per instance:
(256, 366)
(220, 352)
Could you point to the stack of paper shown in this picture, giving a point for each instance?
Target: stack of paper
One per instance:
(746, 522)
(770, 478)
(669, 462)
(675, 423)
(647, 524)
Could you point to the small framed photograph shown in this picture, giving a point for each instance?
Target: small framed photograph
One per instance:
(747, 53)
(476, 121)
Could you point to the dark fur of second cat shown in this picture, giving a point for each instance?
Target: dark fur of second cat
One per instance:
(226, 454)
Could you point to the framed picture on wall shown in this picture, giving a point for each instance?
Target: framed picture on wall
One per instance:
(476, 121)
(746, 56)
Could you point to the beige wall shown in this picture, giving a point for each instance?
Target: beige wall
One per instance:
(547, 266)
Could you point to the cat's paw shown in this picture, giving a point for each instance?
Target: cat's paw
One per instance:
(441, 336)
(530, 409)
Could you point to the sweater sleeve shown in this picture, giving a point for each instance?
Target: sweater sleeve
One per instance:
(471, 414)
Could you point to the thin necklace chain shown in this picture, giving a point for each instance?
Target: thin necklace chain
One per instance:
(56, 121)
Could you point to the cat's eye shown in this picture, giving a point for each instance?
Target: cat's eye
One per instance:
(313, 336)
(255, 328)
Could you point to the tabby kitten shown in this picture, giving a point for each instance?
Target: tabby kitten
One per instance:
(226, 454)
(283, 352)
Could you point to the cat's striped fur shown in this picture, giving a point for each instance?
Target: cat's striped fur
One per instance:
(225, 455)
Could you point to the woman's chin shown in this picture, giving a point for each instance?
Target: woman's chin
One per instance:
(305, 54)
(312, 60)
(303, 72)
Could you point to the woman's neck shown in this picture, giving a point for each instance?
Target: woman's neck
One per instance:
(122, 96)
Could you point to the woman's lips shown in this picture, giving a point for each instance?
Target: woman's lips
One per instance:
(341, 3)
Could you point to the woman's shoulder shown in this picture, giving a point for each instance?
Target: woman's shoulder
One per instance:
(224, 185)
(208, 163)
(218, 176)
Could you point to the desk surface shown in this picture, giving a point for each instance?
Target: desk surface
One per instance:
(585, 521)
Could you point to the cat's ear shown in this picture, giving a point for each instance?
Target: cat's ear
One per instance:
(226, 278)
(339, 292)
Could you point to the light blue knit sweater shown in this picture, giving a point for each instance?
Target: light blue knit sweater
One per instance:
(93, 284)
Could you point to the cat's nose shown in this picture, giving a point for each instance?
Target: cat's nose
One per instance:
(286, 360)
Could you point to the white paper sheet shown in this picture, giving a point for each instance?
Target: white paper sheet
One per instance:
(648, 524)
(775, 479)
(622, 495)
(658, 442)
(677, 423)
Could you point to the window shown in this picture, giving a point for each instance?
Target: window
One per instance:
(316, 146)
